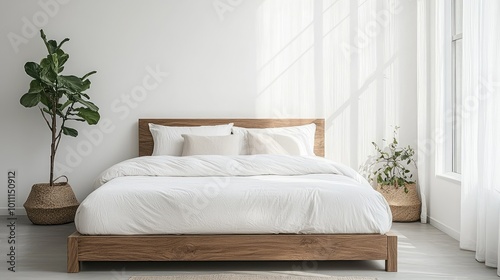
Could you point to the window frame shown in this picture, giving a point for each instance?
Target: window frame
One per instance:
(456, 38)
(446, 111)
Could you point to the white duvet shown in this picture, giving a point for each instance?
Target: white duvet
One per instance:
(232, 195)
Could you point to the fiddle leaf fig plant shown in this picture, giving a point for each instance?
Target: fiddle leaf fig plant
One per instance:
(60, 98)
(391, 164)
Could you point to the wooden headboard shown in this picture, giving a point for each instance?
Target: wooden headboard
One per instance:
(146, 140)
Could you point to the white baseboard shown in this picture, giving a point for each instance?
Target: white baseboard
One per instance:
(19, 211)
(444, 228)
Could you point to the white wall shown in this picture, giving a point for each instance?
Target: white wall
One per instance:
(351, 63)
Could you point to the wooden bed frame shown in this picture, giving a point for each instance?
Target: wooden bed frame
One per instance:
(224, 247)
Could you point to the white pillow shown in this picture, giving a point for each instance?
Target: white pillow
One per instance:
(168, 140)
(292, 138)
(274, 144)
(211, 145)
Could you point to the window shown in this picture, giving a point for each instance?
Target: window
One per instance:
(448, 108)
(456, 87)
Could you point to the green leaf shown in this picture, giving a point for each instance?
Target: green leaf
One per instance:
(45, 63)
(72, 82)
(62, 42)
(55, 62)
(69, 131)
(42, 34)
(69, 93)
(60, 93)
(62, 57)
(401, 182)
(47, 73)
(30, 99)
(88, 74)
(60, 113)
(86, 85)
(90, 116)
(32, 69)
(52, 46)
(65, 104)
(87, 104)
(45, 100)
(50, 76)
(35, 87)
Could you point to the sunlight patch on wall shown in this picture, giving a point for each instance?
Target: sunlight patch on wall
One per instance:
(336, 64)
(354, 47)
(391, 76)
(367, 81)
(339, 133)
(336, 82)
(366, 42)
(359, 76)
(285, 59)
(367, 122)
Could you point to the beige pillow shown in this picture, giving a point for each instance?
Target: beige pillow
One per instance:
(211, 145)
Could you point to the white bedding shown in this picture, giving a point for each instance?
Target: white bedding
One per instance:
(232, 195)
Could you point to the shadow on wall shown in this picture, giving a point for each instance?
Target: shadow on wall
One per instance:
(336, 59)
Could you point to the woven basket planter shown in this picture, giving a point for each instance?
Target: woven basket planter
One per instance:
(405, 207)
(51, 205)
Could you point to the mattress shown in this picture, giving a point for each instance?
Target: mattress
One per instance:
(260, 194)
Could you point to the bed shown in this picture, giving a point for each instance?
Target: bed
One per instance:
(240, 245)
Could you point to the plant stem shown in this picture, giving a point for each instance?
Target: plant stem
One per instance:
(53, 147)
(58, 137)
(45, 118)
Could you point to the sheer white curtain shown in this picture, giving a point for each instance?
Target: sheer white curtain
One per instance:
(422, 105)
(480, 211)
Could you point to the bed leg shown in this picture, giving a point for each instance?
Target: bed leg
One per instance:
(391, 264)
(73, 263)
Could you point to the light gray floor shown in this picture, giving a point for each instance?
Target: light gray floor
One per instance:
(424, 253)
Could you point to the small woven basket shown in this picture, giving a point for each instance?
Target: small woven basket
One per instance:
(51, 205)
(405, 207)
